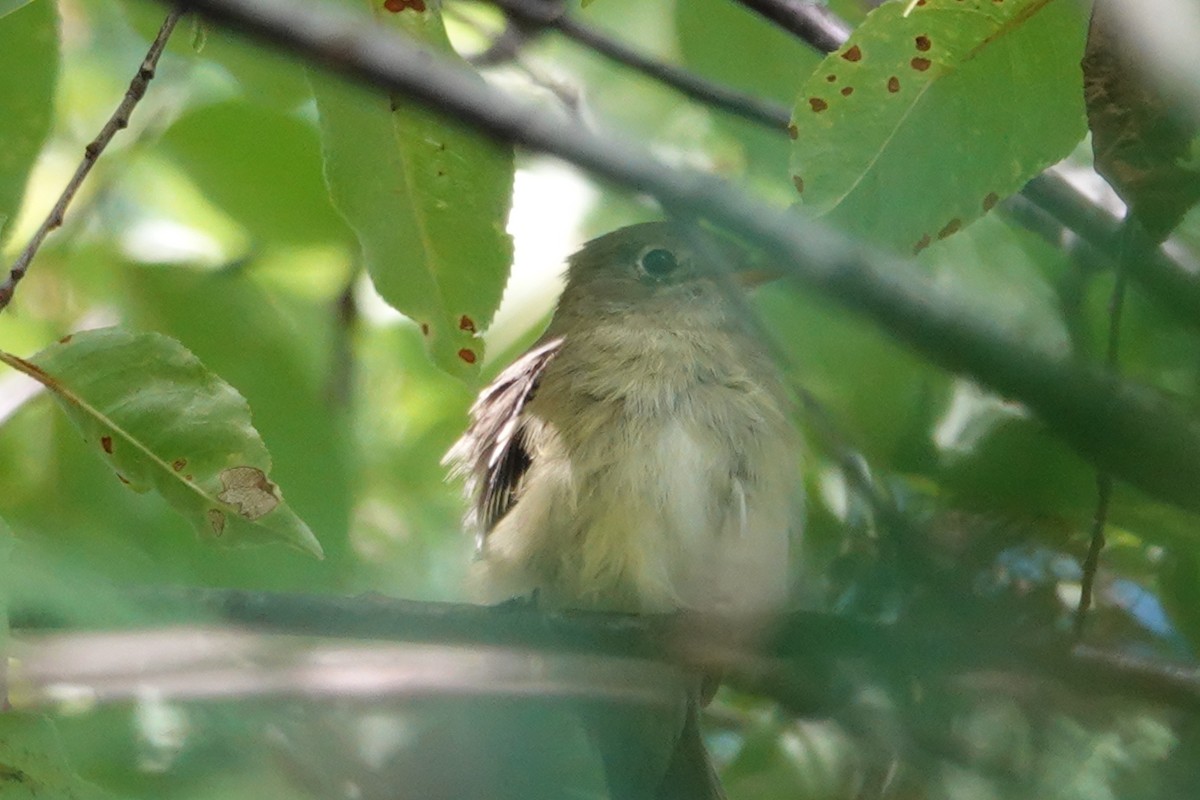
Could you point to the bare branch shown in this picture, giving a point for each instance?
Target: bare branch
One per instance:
(540, 14)
(521, 639)
(812, 22)
(118, 121)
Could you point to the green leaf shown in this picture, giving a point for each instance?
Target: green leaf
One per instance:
(274, 186)
(714, 38)
(9, 6)
(29, 64)
(427, 200)
(921, 123)
(33, 764)
(165, 422)
(6, 543)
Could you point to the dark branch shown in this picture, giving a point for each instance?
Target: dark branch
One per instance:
(805, 642)
(118, 121)
(1169, 275)
(811, 22)
(1126, 428)
(540, 14)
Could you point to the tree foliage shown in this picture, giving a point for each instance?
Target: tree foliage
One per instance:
(276, 283)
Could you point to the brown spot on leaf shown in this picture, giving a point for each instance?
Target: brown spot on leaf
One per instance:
(178, 464)
(893, 84)
(923, 43)
(106, 443)
(396, 6)
(990, 201)
(216, 521)
(123, 479)
(793, 131)
(846, 92)
(467, 355)
(249, 491)
(921, 244)
(831, 78)
(818, 105)
(921, 64)
(66, 339)
(424, 328)
(951, 227)
(798, 182)
(466, 324)
(853, 54)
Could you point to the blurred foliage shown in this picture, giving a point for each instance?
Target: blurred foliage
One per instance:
(210, 221)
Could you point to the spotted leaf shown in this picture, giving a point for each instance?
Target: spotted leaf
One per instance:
(934, 111)
(165, 422)
(428, 200)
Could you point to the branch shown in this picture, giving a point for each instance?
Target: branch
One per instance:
(1128, 429)
(541, 14)
(118, 121)
(530, 643)
(1174, 282)
(812, 23)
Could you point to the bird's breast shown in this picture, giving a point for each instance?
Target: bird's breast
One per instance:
(660, 481)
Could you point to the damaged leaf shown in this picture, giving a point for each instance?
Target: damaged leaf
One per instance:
(165, 422)
(933, 112)
(427, 200)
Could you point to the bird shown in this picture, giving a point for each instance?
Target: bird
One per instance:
(642, 455)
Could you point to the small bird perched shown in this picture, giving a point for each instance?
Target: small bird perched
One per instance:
(641, 456)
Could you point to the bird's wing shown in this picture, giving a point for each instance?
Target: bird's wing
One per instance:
(492, 453)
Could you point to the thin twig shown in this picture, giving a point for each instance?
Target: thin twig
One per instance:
(811, 22)
(118, 121)
(1091, 562)
(535, 13)
(1104, 481)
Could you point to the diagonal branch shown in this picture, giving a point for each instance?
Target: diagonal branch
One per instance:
(553, 16)
(118, 121)
(811, 22)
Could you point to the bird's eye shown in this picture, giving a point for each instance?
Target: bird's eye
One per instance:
(658, 262)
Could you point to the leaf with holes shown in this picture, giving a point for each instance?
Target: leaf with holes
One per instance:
(427, 200)
(165, 422)
(922, 122)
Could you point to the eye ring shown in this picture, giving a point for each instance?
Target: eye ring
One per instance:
(657, 262)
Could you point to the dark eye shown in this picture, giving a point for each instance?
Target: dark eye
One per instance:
(658, 262)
